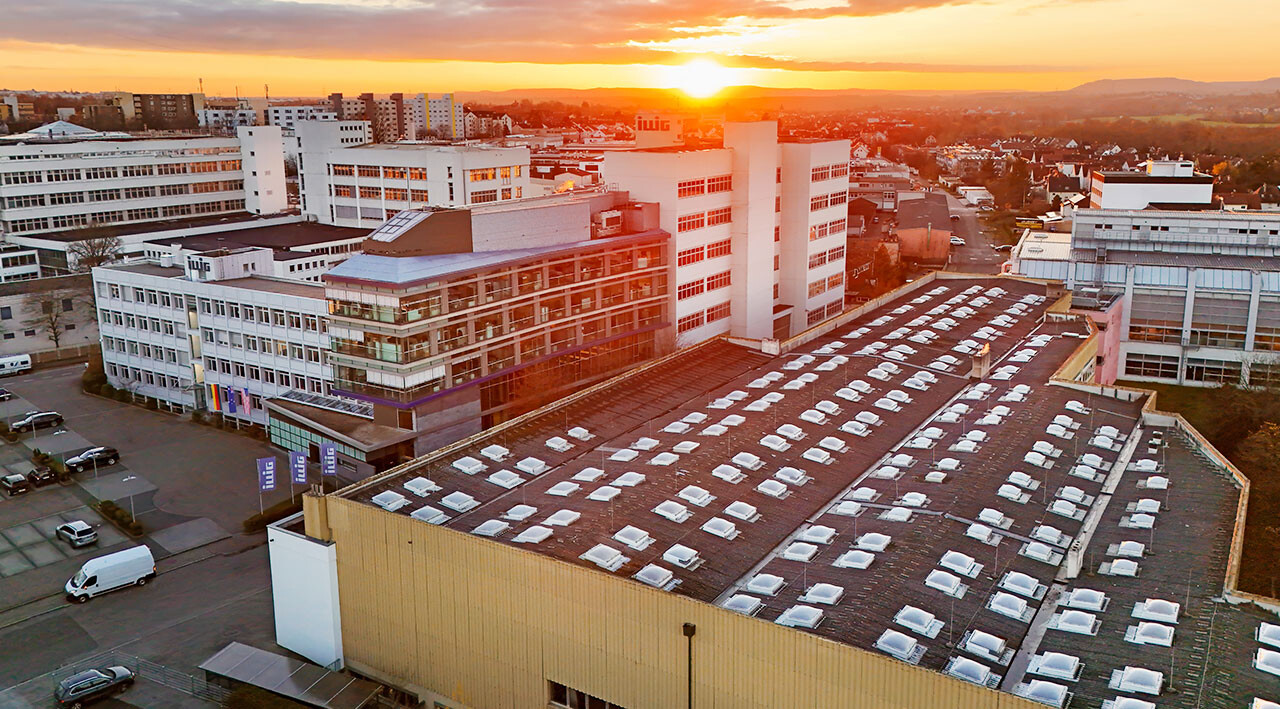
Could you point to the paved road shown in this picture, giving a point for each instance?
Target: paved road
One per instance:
(976, 256)
(185, 615)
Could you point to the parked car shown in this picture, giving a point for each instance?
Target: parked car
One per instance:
(15, 484)
(100, 456)
(41, 476)
(957, 241)
(37, 419)
(1003, 247)
(83, 687)
(955, 217)
(77, 533)
(15, 364)
(5, 394)
(131, 567)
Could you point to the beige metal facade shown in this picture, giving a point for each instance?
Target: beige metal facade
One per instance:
(482, 624)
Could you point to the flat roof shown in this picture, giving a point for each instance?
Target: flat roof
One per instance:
(285, 286)
(150, 269)
(278, 236)
(369, 435)
(301, 681)
(1053, 245)
(800, 494)
(155, 226)
(930, 209)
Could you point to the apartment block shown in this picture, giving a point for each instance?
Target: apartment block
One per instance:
(1162, 184)
(391, 118)
(289, 116)
(64, 177)
(440, 117)
(152, 111)
(364, 185)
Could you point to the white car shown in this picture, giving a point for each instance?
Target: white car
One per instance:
(957, 241)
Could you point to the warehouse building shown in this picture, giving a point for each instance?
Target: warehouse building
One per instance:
(926, 502)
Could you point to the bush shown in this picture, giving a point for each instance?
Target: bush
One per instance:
(152, 404)
(123, 396)
(134, 527)
(107, 390)
(275, 513)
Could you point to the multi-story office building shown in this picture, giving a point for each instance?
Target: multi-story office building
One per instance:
(440, 117)
(363, 185)
(1164, 183)
(18, 263)
(71, 178)
(1185, 297)
(300, 250)
(453, 320)
(227, 118)
(213, 333)
(758, 227)
(289, 116)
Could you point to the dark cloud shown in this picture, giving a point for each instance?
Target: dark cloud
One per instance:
(540, 31)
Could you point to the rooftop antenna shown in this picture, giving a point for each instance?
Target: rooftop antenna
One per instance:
(266, 92)
(200, 82)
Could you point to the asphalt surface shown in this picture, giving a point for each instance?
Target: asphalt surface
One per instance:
(201, 599)
(977, 255)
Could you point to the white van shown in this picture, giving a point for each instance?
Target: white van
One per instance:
(134, 566)
(15, 364)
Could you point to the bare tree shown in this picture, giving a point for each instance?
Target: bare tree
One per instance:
(96, 246)
(51, 312)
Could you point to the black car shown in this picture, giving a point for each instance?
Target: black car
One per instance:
(15, 484)
(41, 476)
(86, 460)
(37, 419)
(5, 394)
(83, 687)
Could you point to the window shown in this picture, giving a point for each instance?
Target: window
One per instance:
(488, 173)
(369, 171)
(396, 195)
(370, 193)
(691, 322)
(417, 173)
(345, 170)
(484, 196)
(689, 222)
(393, 173)
(688, 290)
(1151, 365)
(690, 256)
(1213, 371)
(719, 280)
(819, 202)
(718, 312)
(719, 248)
(62, 176)
(691, 188)
(342, 191)
(418, 196)
(820, 173)
(721, 183)
(724, 215)
(1156, 316)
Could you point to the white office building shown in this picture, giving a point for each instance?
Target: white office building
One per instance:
(758, 226)
(65, 177)
(1184, 297)
(213, 334)
(1163, 183)
(364, 185)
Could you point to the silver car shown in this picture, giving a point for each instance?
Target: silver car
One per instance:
(77, 533)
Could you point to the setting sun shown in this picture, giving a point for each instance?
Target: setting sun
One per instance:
(701, 78)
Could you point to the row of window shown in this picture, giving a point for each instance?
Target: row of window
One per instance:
(833, 228)
(262, 314)
(142, 349)
(713, 250)
(823, 201)
(702, 317)
(826, 172)
(267, 376)
(145, 377)
(110, 172)
(139, 322)
(831, 310)
(1153, 227)
(148, 192)
(265, 345)
(704, 185)
(702, 285)
(825, 257)
(75, 221)
(391, 194)
(713, 217)
(822, 285)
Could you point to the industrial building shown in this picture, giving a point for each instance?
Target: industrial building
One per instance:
(925, 502)
(1186, 297)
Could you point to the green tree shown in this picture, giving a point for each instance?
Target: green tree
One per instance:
(1258, 458)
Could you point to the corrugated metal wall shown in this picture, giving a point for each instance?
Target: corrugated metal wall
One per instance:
(488, 624)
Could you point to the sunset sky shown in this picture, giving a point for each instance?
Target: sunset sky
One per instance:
(312, 47)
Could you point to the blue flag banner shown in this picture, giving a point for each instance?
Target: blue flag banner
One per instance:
(298, 466)
(229, 396)
(328, 459)
(266, 474)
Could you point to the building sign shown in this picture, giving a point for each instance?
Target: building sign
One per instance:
(298, 466)
(328, 459)
(266, 474)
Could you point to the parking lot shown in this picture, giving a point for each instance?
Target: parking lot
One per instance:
(191, 486)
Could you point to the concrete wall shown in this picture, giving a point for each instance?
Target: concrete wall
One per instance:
(304, 582)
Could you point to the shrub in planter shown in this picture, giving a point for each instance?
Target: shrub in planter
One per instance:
(107, 506)
(107, 390)
(123, 395)
(197, 416)
(134, 527)
(152, 404)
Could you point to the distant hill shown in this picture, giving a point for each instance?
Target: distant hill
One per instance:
(1171, 85)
